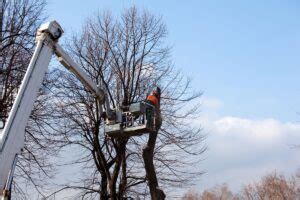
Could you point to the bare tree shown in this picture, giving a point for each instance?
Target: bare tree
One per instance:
(191, 195)
(19, 20)
(270, 187)
(127, 56)
(273, 186)
(221, 192)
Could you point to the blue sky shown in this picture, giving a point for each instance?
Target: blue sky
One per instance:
(244, 56)
(243, 52)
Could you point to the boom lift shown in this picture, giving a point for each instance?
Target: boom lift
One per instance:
(120, 124)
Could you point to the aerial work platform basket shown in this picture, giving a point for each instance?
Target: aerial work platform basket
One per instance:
(138, 120)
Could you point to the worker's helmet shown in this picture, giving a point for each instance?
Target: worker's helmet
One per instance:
(156, 91)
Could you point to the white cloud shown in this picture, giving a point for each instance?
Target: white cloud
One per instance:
(242, 150)
(260, 129)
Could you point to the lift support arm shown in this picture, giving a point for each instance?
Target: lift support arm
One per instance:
(13, 134)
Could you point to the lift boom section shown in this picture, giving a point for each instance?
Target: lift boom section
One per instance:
(12, 136)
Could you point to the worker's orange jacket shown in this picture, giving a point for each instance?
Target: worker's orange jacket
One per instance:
(153, 99)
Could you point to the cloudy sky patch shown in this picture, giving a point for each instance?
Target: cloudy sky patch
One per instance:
(242, 150)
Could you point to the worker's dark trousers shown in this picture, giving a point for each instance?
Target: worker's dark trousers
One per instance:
(149, 113)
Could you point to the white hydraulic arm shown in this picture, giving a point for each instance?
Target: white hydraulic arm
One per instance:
(12, 136)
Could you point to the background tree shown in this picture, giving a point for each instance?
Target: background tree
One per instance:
(19, 21)
(127, 56)
(271, 187)
(219, 192)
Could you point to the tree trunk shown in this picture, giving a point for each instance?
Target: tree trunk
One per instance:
(123, 181)
(148, 154)
(2, 2)
(103, 193)
(121, 149)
